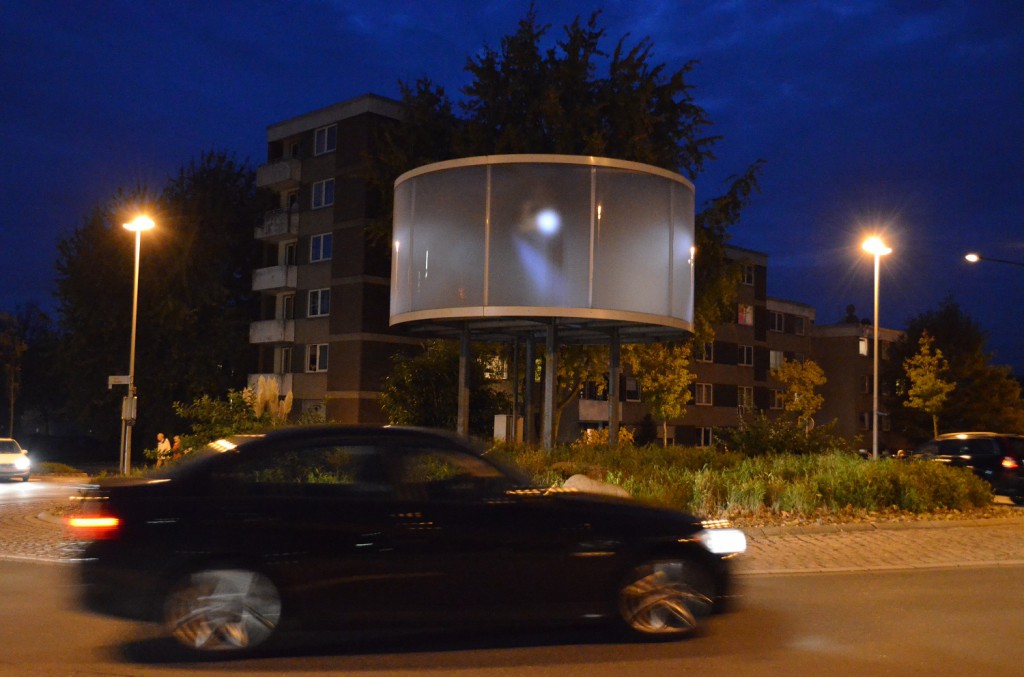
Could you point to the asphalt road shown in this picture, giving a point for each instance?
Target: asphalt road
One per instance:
(931, 622)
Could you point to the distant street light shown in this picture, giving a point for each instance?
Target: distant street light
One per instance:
(974, 258)
(874, 245)
(128, 406)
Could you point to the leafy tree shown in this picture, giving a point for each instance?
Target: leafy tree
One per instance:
(195, 297)
(987, 396)
(423, 390)
(800, 379)
(576, 366)
(663, 372)
(928, 391)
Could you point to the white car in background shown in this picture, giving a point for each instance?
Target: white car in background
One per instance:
(13, 460)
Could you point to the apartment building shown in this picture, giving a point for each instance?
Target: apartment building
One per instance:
(733, 372)
(324, 282)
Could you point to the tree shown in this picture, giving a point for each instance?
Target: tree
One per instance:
(987, 395)
(195, 296)
(663, 372)
(12, 348)
(928, 391)
(800, 379)
(576, 366)
(423, 390)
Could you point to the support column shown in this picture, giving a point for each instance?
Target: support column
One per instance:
(614, 370)
(529, 434)
(515, 390)
(550, 381)
(462, 423)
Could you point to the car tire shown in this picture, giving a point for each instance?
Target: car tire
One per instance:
(664, 599)
(25, 478)
(222, 611)
(1018, 500)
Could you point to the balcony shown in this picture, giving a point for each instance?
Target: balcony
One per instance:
(272, 331)
(284, 381)
(280, 175)
(278, 225)
(274, 278)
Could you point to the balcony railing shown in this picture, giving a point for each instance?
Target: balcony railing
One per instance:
(272, 331)
(274, 278)
(279, 224)
(279, 174)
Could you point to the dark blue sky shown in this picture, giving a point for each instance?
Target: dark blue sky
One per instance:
(908, 115)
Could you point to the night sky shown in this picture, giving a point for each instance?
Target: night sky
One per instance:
(907, 116)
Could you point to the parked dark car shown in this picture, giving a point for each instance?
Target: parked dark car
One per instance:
(994, 457)
(337, 529)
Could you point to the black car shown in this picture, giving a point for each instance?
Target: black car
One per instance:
(336, 529)
(994, 457)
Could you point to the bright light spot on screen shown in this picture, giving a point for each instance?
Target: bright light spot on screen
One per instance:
(548, 221)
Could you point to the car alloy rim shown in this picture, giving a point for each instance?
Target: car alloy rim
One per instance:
(224, 610)
(659, 600)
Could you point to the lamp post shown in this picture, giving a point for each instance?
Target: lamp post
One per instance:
(874, 245)
(974, 257)
(128, 406)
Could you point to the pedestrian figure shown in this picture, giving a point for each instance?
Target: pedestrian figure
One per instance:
(163, 449)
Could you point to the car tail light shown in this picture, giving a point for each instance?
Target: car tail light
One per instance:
(1010, 463)
(94, 527)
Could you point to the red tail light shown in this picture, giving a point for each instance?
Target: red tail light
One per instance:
(94, 527)
(1010, 463)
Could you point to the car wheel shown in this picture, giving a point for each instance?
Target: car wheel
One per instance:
(223, 610)
(1019, 500)
(664, 598)
(25, 478)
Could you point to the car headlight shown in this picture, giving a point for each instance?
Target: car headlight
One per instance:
(723, 541)
(22, 463)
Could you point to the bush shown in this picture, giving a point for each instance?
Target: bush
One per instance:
(714, 483)
(759, 435)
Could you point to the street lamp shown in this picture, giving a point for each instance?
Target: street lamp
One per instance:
(128, 406)
(974, 257)
(874, 245)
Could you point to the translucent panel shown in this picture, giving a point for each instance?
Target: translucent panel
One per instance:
(632, 247)
(540, 235)
(682, 241)
(447, 248)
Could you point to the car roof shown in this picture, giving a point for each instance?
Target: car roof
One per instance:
(379, 432)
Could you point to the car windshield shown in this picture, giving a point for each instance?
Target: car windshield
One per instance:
(9, 447)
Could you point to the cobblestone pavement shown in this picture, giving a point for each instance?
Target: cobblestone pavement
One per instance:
(29, 532)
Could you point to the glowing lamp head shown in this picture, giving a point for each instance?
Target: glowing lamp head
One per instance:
(874, 245)
(972, 257)
(139, 224)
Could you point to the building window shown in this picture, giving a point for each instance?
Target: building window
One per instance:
(778, 399)
(326, 140)
(748, 274)
(745, 314)
(798, 326)
(745, 397)
(776, 321)
(746, 356)
(706, 352)
(316, 357)
(865, 385)
(286, 360)
(865, 420)
(319, 302)
(323, 193)
(288, 254)
(705, 437)
(703, 395)
(775, 359)
(632, 389)
(320, 247)
(288, 307)
(862, 346)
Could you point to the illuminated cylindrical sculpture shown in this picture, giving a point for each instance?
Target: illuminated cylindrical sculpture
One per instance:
(543, 236)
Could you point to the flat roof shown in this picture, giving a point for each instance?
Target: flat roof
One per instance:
(367, 103)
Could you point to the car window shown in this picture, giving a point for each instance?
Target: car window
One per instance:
(9, 447)
(969, 447)
(440, 473)
(353, 468)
